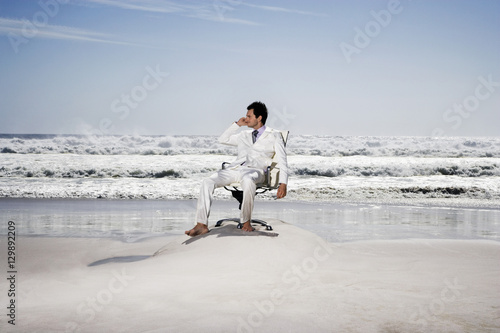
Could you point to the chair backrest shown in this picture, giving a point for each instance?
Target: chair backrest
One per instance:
(284, 135)
(273, 176)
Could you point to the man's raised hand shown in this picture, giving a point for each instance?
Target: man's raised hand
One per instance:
(241, 122)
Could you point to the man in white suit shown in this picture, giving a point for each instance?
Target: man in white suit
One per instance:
(256, 149)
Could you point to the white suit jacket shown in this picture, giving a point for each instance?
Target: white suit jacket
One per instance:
(259, 154)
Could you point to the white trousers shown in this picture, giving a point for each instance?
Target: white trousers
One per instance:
(248, 179)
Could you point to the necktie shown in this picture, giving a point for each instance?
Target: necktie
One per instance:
(254, 135)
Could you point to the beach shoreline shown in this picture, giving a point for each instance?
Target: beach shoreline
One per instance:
(340, 221)
(95, 265)
(293, 281)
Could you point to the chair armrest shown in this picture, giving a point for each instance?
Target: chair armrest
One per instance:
(271, 176)
(268, 176)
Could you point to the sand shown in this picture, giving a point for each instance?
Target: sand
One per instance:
(285, 280)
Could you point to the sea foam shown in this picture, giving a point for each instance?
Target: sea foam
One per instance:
(321, 168)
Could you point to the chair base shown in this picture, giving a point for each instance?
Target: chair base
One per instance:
(262, 223)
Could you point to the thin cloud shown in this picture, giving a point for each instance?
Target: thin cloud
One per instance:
(216, 10)
(24, 29)
(216, 13)
(146, 6)
(283, 10)
(212, 11)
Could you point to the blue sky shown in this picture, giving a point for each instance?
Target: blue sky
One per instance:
(407, 67)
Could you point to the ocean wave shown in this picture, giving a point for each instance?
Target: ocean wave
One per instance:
(60, 166)
(189, 166)
(362, 166)
(484, 170)
(401, 194)
(342, 146)
(321, 168)
(384, 191)
(57, 172)
(87, 173)
(336, 146)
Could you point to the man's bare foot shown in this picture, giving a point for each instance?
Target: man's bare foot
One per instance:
(247, 226)
(199, 229)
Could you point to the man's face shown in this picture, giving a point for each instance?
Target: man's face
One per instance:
(251, 121)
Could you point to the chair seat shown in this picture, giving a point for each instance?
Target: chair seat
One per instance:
(271, 183)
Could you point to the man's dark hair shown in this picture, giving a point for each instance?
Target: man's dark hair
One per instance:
(259, 109)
